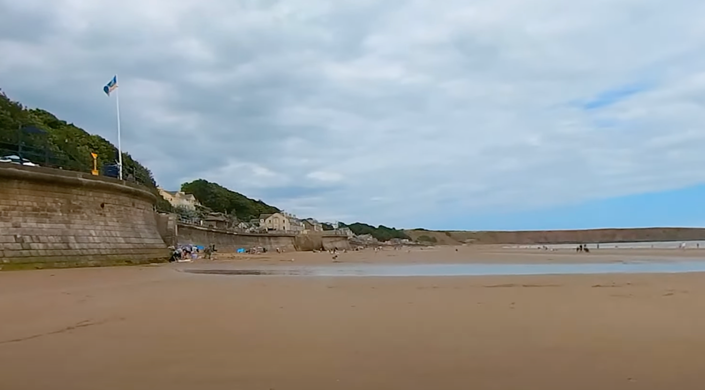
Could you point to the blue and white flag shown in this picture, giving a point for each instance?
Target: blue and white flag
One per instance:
(111, 86)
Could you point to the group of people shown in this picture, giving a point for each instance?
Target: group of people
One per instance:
(191, 252)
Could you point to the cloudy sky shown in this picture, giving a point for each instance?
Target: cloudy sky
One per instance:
(458, 114)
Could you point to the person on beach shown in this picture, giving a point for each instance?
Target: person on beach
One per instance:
(175, 254)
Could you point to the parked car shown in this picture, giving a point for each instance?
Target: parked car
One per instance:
(112, 170)
(14, 159)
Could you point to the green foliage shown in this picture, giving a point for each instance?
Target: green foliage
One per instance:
(221, 199)
(426, 238)
(64, 145)
(327, 226)
(186, 213)
(381, 233)
(163, 205)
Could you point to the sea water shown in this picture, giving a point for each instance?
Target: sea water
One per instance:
(619, 245)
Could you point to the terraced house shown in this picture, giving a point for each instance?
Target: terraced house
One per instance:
(312, 225)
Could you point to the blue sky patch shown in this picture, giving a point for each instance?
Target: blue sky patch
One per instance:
(613, 96)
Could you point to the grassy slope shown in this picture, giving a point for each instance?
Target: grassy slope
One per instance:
(562, 236)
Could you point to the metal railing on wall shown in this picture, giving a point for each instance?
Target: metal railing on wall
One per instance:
(22, 152)
(44, 156)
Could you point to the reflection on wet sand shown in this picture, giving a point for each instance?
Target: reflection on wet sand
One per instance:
(430, 270)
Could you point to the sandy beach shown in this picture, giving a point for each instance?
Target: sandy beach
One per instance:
(155, 327)
(492, 254)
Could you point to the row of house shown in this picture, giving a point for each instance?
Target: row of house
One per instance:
(288, 223)
(284, 222)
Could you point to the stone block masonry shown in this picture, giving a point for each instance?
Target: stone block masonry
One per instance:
(230, 241)
(54, 218)
(321, 241)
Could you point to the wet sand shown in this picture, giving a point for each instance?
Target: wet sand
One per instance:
(492, 254)
(157, 328)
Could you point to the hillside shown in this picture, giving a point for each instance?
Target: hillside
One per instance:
(52, 142)
(220, 199)
(381, 233)
(560, 236)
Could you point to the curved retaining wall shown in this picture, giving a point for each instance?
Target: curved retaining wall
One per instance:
(51, 217)
(318, 241)
(335, 242)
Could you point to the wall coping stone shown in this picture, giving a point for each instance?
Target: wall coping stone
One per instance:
(73, 179)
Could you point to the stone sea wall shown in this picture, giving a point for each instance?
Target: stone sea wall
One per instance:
(321, 241)
(336, 242)
(229, 241)
(54, 218)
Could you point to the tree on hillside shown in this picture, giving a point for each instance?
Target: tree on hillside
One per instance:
(221, 199)
(327, 226)
(186, 213)
(63, 144)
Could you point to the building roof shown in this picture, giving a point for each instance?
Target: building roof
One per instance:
(265, 216)
(177, 193)
(215, 218)
(168, 192)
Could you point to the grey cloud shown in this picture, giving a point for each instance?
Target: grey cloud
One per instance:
(296, 192)
(24, 25)
(420, 105)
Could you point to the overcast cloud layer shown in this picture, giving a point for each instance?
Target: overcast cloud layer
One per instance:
(382, 111)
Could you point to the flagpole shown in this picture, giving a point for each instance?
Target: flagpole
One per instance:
(117, 107)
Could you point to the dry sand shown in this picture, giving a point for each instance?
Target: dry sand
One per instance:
(156, 328)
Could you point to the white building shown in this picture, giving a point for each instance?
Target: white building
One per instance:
(179, 199)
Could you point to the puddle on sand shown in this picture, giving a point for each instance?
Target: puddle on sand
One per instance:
(459, 269)
(248, 272)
